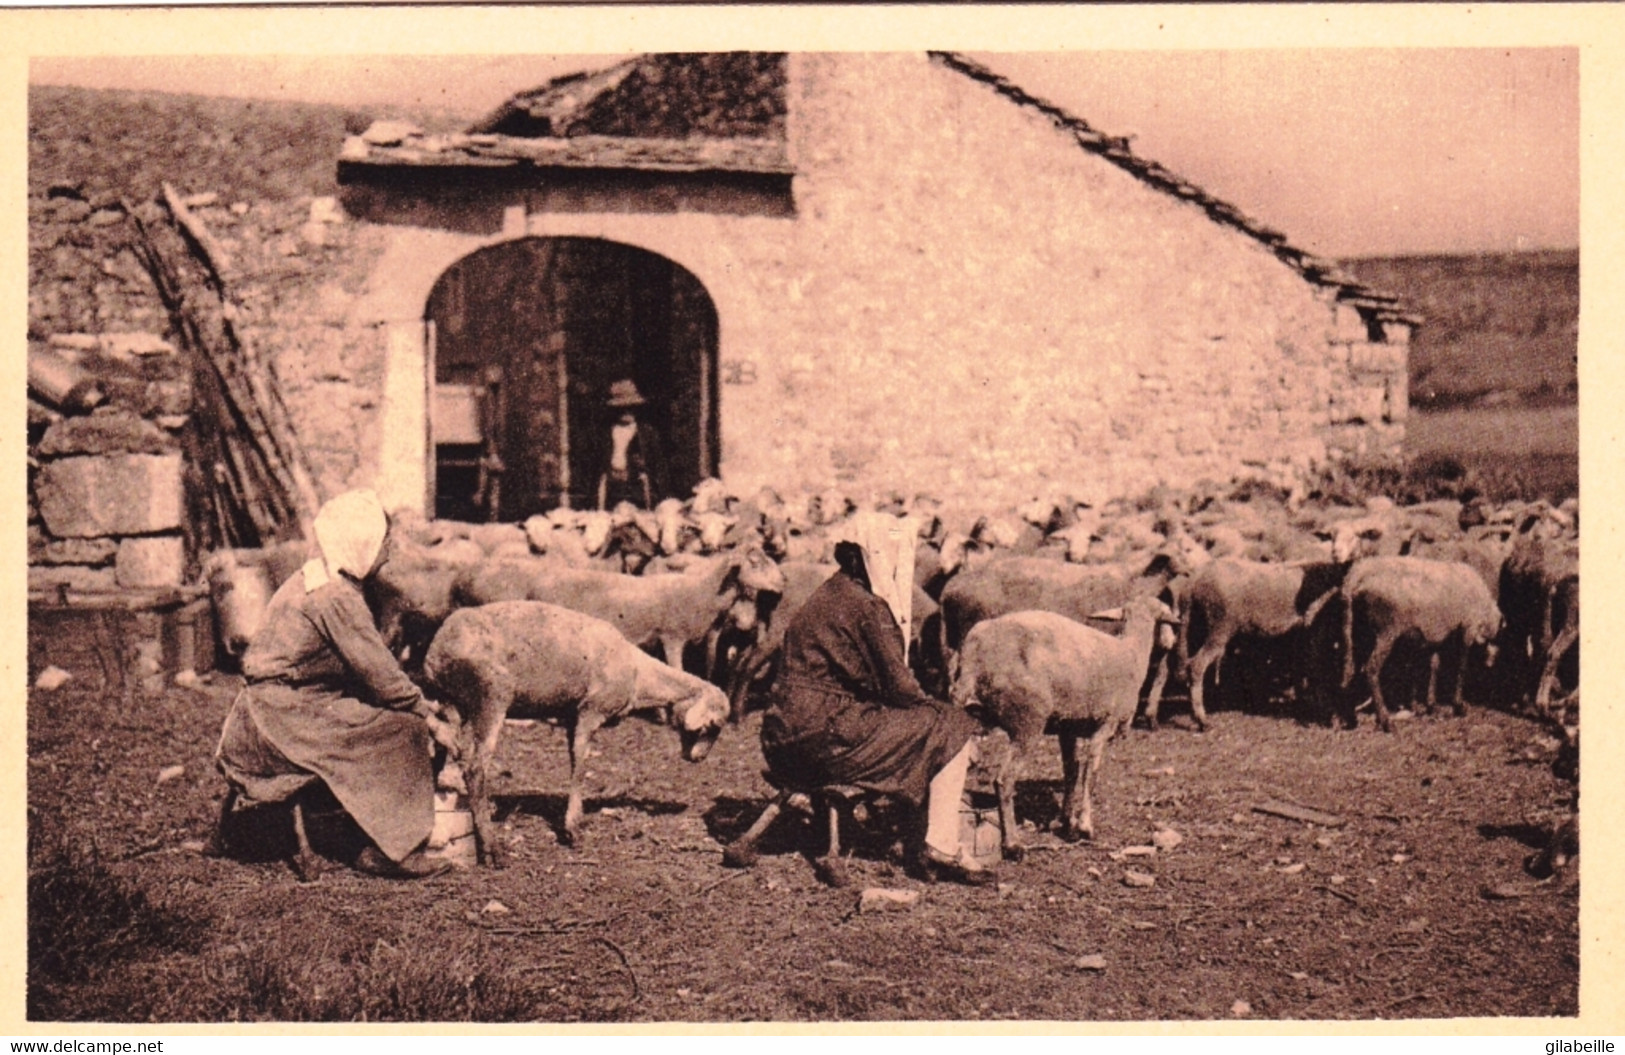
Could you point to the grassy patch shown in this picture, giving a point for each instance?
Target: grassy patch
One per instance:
(85, 922)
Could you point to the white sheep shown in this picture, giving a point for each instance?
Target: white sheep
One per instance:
(1029, 673)
(530, 659)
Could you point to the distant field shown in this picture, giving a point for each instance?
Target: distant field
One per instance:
(1516, 451)
(1502, 326)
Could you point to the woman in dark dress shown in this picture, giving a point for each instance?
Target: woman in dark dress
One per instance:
(846, 710)
(325, 700)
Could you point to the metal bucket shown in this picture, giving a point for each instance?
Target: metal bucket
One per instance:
(979, 830)
(453, 834)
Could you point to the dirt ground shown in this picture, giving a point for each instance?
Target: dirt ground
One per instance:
(1390, 915)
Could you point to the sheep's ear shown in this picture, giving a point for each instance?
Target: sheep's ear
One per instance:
(1113, 614)
(1160, 564)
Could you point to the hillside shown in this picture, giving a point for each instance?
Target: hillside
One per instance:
(130, 142)
(1501, 328)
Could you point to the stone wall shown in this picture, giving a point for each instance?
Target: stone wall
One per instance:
(107, 503)
(296, 268)
(983, 311)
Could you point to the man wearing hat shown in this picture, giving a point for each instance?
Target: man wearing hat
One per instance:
(637, 470)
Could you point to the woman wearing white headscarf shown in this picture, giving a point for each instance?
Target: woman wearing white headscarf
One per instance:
(846, 709)
(325, 700)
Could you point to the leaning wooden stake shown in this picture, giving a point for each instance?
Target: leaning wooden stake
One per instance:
(258, 468)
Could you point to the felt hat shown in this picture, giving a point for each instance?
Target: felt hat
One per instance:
(625, 393)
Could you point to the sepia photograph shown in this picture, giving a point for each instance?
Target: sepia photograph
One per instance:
(555, 534)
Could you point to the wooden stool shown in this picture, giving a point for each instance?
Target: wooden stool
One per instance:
(833, 799)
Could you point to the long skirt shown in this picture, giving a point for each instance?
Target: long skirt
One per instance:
(376, 762)
(890, 750)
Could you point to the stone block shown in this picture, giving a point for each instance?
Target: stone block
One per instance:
(127, 494)
(73, 576)
(147, 563)
(1347, 324)
(108, 431)
(1396, 333)
(1399, 397)
(170, 397)
(87, 551)
(1365, 357)
(132, 344)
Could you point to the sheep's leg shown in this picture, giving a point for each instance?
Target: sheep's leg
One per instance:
(1212, 651)
(305, 865)
(1457, 701)
(580, 741)
(1005, 783)
(1084, 823)
(1554, 657)
(673, 649)
(485, 728)
(1069, 778)
(1373, 676)
(1433, 681)
(1153, 699)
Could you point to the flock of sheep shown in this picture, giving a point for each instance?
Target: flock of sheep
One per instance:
(1058, 620)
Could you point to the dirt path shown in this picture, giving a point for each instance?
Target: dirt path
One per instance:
(1383, 916)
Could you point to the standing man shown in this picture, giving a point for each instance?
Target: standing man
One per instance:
(637, 471)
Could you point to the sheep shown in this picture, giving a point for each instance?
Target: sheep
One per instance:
(1029, 673)
(1017, 584)
(412, 593)
(520, 659)
(673, 611)
(1532, 594)
(1565, 599)
(1389, 598)
(241, 582)
(1230, 598)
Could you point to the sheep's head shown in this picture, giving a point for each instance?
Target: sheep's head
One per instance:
(714, 529)
(757, 571)
(698, 719)
(595, 531)
(539, 533)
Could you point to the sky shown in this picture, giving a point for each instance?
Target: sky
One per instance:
(1351, 152)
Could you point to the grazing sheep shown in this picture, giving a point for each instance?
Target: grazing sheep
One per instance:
(1029, 673)
(528, 659)
(1017, 584)
(1386, 599)
(1230, 598)
(672, 610)
(1484, 549)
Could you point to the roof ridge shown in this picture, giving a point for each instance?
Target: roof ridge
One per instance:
(1117, 150)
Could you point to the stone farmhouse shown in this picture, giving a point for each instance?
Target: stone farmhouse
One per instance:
(871, 272)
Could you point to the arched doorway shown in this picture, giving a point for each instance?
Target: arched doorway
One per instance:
(527, 337)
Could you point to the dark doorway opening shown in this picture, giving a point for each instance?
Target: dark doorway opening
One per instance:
(528, 336)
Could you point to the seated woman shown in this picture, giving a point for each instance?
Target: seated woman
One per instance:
(325, 700)
(846, 709)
